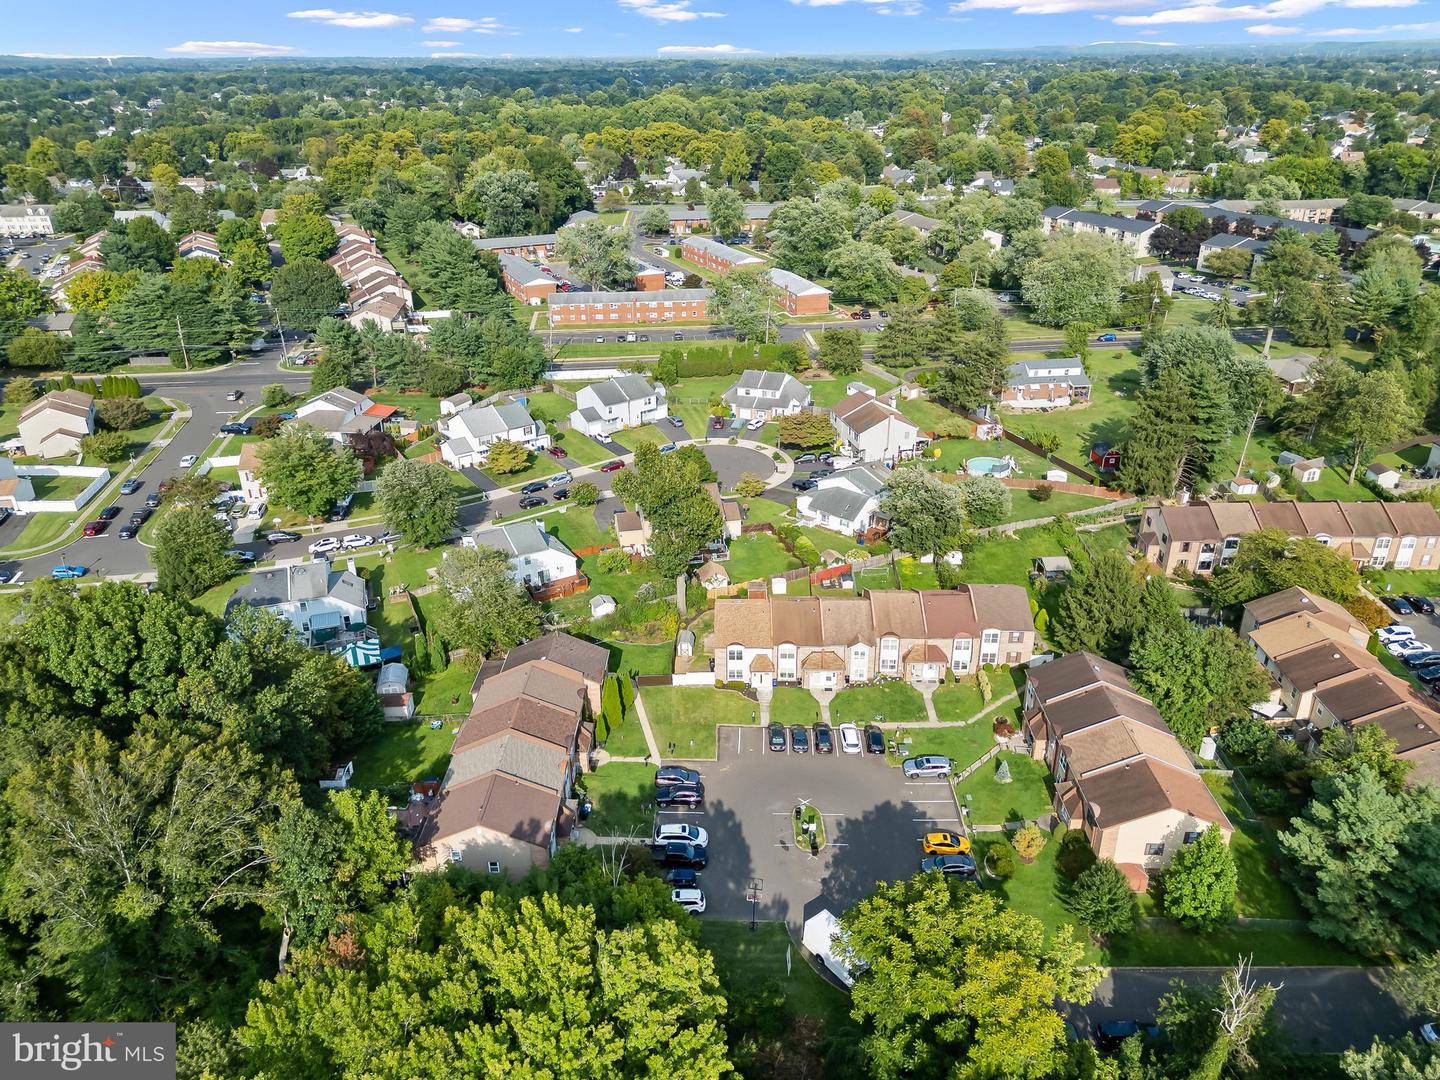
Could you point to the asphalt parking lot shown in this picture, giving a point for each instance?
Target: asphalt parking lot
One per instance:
(874, 819)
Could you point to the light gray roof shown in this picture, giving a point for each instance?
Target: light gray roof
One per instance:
(566, 299)
(776, 384)
(794, 283)
(526, 273)
(1234, 240)
(753, 210)
(492, 419)
(17, 211)
(1290, 369)
(302, 581)
(622, 388)
(1027, 371)
(864, 477)
(493, 243)
(528, 759)
(1101, 221)
(721, 251)
(838, 502)
(341, 397)
(521, 538)
(590, 416)
(916, 221)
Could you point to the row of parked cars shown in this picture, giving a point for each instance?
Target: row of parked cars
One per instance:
(681, 849)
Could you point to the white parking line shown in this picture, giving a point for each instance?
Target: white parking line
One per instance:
(920, 802)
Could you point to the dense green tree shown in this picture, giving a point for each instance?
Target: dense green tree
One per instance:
(138, 244)
(927, 515)
(802, 235)
(1199, 679)
(457, 276)
(83, 214)
(744, 299)
(862, 271)
(987, 501)
(503, 202)
(727, 211)
(1270, 560)
(305, 236)
(35, 348)
(1201, 881)
(807, 430)
(1075, 278)
(840, 352)
(1099, 610)
(1179, 431)
(123, 413)
(304, 291)
(305, 472)
(190, 552)
(1102, 899)
(1404, 1058)
(957, 982)
(418, 501)
(653, 221)
(598, 254)
(669, 490)
(482, 608)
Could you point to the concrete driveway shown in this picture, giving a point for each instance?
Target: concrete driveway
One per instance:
(874, 819)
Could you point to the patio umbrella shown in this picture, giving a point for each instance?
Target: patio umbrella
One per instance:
(362, 654)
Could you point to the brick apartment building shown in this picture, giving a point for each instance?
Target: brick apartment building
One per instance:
(594, 308)
(525, 281)
(538, 246)
(715, 256)
(649, 278)
(799, 296)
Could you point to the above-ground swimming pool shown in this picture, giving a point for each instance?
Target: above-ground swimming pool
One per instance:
(990, 466)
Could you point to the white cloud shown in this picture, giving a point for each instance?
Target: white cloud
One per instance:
(1272, 30)
(486, 24)
(1204, 12)
(705, 50)
(1379, 31)
(573, 30)
(1047, 7)
(674, 11)
(453, 55)
(904, 7)
(1162, 44)
(440, 44)
(355, 20)
(880, 7)
(230, 48)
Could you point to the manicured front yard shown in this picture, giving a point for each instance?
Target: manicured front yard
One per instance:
(631, 658)
(960, 700)
(634, 438)
(989, 802)
(624, 796)
(403, 753)
(1115, 375)
(541, 466)
(685, 716)
(893, 702)
(792, 705)
(582, 448)
(962, 745)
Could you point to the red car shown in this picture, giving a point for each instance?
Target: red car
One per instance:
(612, 466)
(555, 452)
(95, 528)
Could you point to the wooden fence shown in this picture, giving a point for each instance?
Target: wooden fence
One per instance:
(1025, 484)
(554, 590)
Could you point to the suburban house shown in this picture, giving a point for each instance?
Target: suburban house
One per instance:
(14, 488)
(340, 412)
(1305, 470)
(198, 245)
(536, 557)
(870, 430)
(823, 643)
(766, 395)
(469, 433)
(894, 175)
(502, 803)
(798, 295)
(319, 601)
(601, 409)
(252, 489)
(26, 220)
(632, 531)
(525, 281)
(1133, 233)
(847, 501)
(1045, 384)
(539, 246)
(689, 219)
(590, 661)
(1322, 675)
(1120, 774)
(919, 222)
(1293, 371)
(715, 256)
(730, 512)
(1205, 535)
(639, 306)
(52, 426)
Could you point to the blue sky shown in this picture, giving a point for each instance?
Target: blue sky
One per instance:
(698, 27)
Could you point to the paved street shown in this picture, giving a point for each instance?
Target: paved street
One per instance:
(873, 816)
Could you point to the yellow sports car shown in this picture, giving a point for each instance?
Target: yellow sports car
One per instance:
(946, 843)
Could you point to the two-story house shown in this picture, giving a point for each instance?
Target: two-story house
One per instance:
(339, 413)
(1045, 384)
(766, 395)
(1203, 536)
(825, 643)
(601, 409)
(872, 431)
(469, 433)
(847, 501)
(536, 558)
(1132, 233)
(318, 600)
(55, 424)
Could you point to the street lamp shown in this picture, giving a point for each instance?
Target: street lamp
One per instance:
(752, 893)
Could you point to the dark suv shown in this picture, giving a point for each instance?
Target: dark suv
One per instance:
(678, 854)
(777, 736)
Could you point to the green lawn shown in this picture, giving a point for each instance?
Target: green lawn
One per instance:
(1032, 889)
(403, 753)
(950, 455)
(625, 739)
(764, 510)
(641, 659)
(623, 587)
(59, 487)
(42, 529)
(792, 705)
(1263, 891)
(1024, 507)
(826, 392)
(687, 715)
(634, 438)
(1414, 582)
(915, 574)
(747, 961)
(541, 465)
(576, 527)
(931, 416)
(1115, 375)
(997, 560)
(962, 745)
(893, 702)
(549, 406)
(420, 407)
(214, 600)
(960, 700)
(1027, 796)
(701, 389)
(448, 692)
(582, 448)
(624, 796)
(758, 555)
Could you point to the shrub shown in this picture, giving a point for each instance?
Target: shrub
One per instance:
(584, 494)
(107, 446)
(1000, 863)
(1103, 901)
(1028, 842)
(122, 413)
(1041, 492)
(614, 561)
(275, 395)
(1372, 614)
(1074, 855)
(266, 427)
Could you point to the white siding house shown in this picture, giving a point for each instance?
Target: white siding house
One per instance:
(536, 557)
(627, 401)
(469, 434)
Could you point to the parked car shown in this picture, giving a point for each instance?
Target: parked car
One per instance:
(96, 527)
(235, 395)
(929, 765)
(1387, 634)
(692, 900)
(756, 424)
(680, 795)
(534, 486)
(560, 494)
(1420, 604)
(389, 538)
(1397, 605)
(675, 830)
(945, 843)
(612, 466)
(820, 474)
(677, 853)
(777, 736)
(961, 865)
(530, 502)
(67, 570)
(1107, 337)
(110, 513)
(152, 500)
(324, 545)
(675, 421)
(1406, 647)
(238, 427)
(131, 529)
(669, 448)
(555, 452)
(717, 424)
(241, 554)
(1424, 658)
(824, 739)
(129, 487)
(557, 479)
(356, 540)
(803, 485)
(800, 739)
(187, 461)
(1428, 675)
(1110, 1034)
(675, 774)
(804, 459)
(849, 738)
(140, 515)
(874, 740)
(864, 313)
(281, 536)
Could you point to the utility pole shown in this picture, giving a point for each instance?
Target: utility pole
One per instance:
(284, 350)
(184, 352)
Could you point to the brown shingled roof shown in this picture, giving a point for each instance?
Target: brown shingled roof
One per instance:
(1145, 787)
(501, 804)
